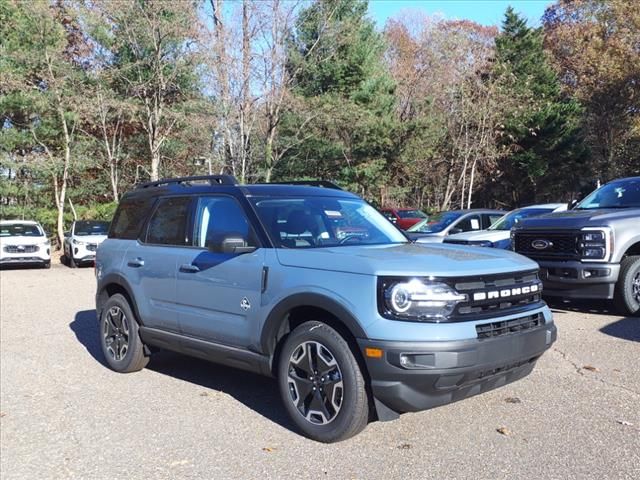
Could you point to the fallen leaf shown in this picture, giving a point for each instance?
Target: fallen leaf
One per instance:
(503, 431)
(204, 394)
(625, 423)
(590, 368)
(404, 446)
(512, 400)
(268, 449)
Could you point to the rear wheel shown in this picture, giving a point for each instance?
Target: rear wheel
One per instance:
(119, 337)
(321, 384)
(627, 292)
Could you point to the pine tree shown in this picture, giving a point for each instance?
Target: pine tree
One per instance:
(544, 130)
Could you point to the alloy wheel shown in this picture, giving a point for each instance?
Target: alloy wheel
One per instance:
(115, 332)
(635, 287)
(315, 382)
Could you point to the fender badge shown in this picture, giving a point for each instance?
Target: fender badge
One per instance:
(245, 304)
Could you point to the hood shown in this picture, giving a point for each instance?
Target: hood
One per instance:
(19, 240)
(98, 239)
(426, 237)
(490, 235)
(576, 219)
(407, 259)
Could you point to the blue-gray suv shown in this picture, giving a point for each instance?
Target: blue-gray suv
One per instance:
(311, 285)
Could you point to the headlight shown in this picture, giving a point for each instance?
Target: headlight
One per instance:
(595, 244)
(47, 242)
(416, 299)
(77, 242)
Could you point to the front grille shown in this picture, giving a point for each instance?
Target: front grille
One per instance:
(21, 248)
(92, 247)
(502, 294)
(560, 245)
(508, 327)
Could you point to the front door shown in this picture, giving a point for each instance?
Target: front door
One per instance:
(219, 291)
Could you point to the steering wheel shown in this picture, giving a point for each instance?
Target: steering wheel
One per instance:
(349, 238)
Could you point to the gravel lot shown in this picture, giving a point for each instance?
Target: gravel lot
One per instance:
(65, 415)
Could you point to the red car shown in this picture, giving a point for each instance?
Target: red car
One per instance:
(404, 217)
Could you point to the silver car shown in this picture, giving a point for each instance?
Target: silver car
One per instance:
(437, 227)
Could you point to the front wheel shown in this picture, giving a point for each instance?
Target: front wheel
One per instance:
(321, 384)
(627, 291)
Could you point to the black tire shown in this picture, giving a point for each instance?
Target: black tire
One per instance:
(627, 291)
(72, 262)
(47, 265)
(337, 371)
(119, 337)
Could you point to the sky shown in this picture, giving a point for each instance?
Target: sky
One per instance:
(485, 12)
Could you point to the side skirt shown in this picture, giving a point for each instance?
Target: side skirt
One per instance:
(213, 352)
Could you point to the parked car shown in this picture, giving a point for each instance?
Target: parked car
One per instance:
(437, 227)
(592, 250)
(498, 235)
(353, 327)
(24, 242)
(81, 242)
(404, 217)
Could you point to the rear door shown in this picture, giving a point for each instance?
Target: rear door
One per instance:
(151, 263)
(219, 292)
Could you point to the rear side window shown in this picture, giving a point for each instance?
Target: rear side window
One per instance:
(130, 217)
(168, 224)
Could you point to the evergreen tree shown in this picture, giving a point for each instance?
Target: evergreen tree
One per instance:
(335, 57)
(544, 130)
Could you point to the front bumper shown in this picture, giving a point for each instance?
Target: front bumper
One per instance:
(42, 257)
(84, 253)
(449, 371)
(574, 279)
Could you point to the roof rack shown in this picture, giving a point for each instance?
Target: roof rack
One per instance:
(211, 179)
(311, 183)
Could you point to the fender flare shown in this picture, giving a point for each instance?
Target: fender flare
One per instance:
(278, 313)
(121, 281)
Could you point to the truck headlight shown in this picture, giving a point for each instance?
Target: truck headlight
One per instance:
(417, 299)
(595, 244)
(77, 242)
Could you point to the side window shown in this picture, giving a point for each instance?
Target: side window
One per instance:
(220, 217)
(168, 224)
(469, 223)
(130, 217)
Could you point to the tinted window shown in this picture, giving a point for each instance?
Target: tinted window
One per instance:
(509, 220)
(130, 217)
(220, 217)
(435, 224)
(91, 228)
(168, 224)
(469, 223)
(20, 230)
(619, 194)
(411, 214)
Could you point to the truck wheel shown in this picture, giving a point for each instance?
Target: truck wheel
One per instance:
(627, 292)
(321, 384)
(72, 262)
(119, 338)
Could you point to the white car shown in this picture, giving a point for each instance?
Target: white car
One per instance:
(24, 242)
(81, 242)
(498, 235)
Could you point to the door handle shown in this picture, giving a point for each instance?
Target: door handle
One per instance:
(136, 263)
(189, 268)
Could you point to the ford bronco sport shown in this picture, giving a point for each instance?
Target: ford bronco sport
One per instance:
(592, 250)
(354, 327)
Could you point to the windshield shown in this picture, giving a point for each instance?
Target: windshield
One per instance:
(436, 223)
(91, 228)
(20, 230)
(507, 221)
(324, 222)
(620, 194)
(411, 214)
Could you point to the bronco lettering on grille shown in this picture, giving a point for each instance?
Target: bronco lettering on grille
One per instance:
(507, 292)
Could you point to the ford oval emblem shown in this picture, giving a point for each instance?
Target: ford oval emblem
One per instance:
(541, 244)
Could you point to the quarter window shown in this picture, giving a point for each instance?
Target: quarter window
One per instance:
(168, 225)
(130, 217)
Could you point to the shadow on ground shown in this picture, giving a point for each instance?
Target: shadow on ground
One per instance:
(595, 307)
(625, 328)
(255, 391)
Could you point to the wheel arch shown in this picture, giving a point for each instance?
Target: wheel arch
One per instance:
(109, 286)
(633, 249)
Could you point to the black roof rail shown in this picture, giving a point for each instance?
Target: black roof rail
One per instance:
(311, 183)
(211, 179)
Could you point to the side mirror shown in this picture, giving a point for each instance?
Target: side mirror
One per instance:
(230, 244)
(455, 230)
(572, 204)
(67, 234)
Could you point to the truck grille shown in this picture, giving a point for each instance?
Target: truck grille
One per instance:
(21, 248)
(559, 246)
(507, 327)
(502, 294)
